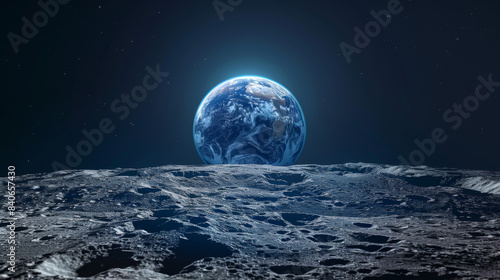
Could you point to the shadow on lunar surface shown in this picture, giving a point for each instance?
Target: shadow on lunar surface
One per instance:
(284, 178)
(196, 247)
(114, 258)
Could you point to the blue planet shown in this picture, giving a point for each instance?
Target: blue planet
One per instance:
(249, 120)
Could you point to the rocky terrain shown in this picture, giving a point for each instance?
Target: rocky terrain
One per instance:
(359, 221)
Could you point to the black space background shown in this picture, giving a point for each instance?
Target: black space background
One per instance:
(394, 91)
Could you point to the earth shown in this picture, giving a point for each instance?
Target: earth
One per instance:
(249, 120)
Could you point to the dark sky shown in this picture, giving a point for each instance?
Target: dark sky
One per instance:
(396, 89)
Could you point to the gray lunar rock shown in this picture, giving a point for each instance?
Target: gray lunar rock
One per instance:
(359, 221)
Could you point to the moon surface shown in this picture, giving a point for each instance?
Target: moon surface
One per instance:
(362, 221)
